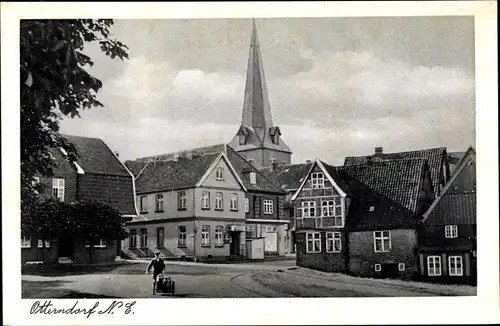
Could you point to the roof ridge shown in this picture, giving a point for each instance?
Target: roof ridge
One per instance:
(384, 161)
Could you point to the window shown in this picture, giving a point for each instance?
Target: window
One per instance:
(333, 208)
(159, 203)
(132, 240)
(100, 244)
(276, 138)
(181, 236)
(247, 205)
(219, 201)
(25, 241)
(144, 204)
(308, 209)
(205, 200)
(242, 140)
(378, 267)
(219, 173)
(451, 231)
(333, 242)
(219, 236)
(233, 204)
(434, 265)
(35, 181)
(160, 238)
(181, 200)
(41, 241)
(455, 265)
(58, 189)
(253, 178)
(317, 180)
(268, 206)
(401, 267)
(313, 242)
(144, 238)
(382, 241)
(205, 235)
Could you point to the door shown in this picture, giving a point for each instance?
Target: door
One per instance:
(390, 271)
(234, 248)
(65, 246)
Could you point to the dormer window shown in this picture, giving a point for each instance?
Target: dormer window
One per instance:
(317, 180)
(242, 139)
(253, 178)
(276, 138)
(219, 174)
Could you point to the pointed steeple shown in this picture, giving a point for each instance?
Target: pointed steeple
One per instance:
(256, 108)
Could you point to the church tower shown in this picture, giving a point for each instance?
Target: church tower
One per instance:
(257, 139)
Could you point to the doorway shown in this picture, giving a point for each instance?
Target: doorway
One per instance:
(65, 246)
(234, 248)
(390, 271)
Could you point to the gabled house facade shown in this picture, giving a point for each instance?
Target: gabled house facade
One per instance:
(447, 235)
(362, 219)
(97, 175)
(188, 207)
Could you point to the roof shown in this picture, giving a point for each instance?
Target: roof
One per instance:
(337, 177)
(391, 187)
(94, 156)
(174, 174)
(289, 176)
(135, 167)
(241, 166)
(457, 202)
(434, 156)
(453, 159)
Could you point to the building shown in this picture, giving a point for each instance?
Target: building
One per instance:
(263, 202)
(189, 206)
(447, 237)
(258, 140)
(437, 159)
(362, 219)
(97, 175)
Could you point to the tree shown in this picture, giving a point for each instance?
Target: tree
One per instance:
(55, 85)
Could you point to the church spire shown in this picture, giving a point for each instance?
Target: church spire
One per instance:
(256, 108)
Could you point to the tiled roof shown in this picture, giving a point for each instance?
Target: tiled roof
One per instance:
(168, 175)
(391, 187)
(135, 167)
(94, 156)
(242, 167)
(434, 156)
(288, 177)
(218, 148)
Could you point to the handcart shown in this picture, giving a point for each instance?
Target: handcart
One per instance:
(165, 285)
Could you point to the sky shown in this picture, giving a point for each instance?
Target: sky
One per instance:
(337, 86)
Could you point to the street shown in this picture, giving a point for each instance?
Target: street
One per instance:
(196, 280)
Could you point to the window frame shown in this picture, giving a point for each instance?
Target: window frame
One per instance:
(219, 236)
(58, 189)
(143, 238)
(158, 240)
(181, 200)
(102, 244)
(332, 238)
(268, 206)
(159, 203)
(205, 236)
(331, 206)
(219, 201)
(382, 237)
(309, 206)
(313, 238)
(247, 205)
(253, 178)
(378, 267)
(451, 231)
(233, 202)
(205, 200)
(132, 240)
(434, 269)
(143, 203)
(44, 243)
(457, 259)
(401, 267)
(25, 241)
(316, 177)
(181, 236)
(219, 173)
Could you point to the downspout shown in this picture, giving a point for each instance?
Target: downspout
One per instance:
(194, 224)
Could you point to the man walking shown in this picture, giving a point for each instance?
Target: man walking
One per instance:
(158, 266)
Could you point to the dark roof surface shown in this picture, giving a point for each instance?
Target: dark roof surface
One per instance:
(169, 175)
(337, 177)
(94, 156)
(453, 159)
(288, 177)
(391, 187)
(135, 167)
(434, 157)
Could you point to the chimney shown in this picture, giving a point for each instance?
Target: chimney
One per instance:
(379, 151)
(274, 164)
(117, 154)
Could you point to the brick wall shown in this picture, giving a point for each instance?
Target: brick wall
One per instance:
(64, 170)
(81, 254)
(329, 262)
(47, 255)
